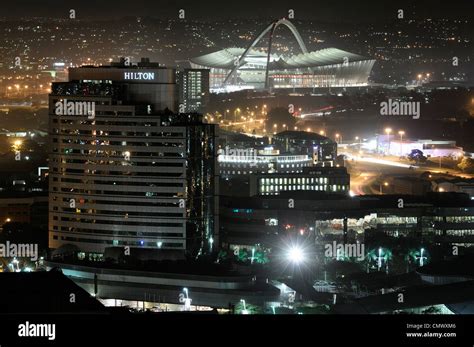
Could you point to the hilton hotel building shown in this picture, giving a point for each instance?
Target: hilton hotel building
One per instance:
(125, 168)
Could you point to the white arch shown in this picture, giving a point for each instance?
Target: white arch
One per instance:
(270, 28)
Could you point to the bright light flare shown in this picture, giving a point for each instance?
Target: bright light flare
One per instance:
(296, 255)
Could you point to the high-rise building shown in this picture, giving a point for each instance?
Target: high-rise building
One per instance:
(125, 168)
(194, 89)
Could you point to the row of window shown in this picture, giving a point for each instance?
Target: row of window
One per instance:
(140, 243)
(229, 172)
(293, 180)
(274, 189)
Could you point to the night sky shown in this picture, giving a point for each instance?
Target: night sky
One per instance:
(323, 10)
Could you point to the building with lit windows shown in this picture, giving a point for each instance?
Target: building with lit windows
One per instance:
(321, 149)
(235, 162)
(320, 179)
(194, 89)
(435, 218)
(125, 168)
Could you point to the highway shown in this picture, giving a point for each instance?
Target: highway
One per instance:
(368, 172)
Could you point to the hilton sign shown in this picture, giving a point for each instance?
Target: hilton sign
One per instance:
(139, 76)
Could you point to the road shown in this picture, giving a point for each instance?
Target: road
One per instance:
(368, 172)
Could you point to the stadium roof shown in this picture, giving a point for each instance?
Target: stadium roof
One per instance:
(226, 58)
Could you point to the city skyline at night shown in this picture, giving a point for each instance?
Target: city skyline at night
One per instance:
(170, 164)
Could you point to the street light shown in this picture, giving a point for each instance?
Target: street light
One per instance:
(187, 300)
(379, 262)
(244, 311)
(338, 136)
(401, 133)
(16, 262)
(296, 255)
(381, 190)
(388, 131)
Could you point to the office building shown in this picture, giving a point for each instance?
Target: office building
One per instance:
(319, 179)
(125, 168)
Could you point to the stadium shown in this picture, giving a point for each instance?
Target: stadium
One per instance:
(250, 68)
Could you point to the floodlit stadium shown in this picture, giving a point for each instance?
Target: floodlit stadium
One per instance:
(251, 68)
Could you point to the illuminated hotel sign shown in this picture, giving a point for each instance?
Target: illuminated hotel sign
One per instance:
(139, 76)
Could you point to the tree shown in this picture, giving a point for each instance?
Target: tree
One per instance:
(467, 165)
(417, 156)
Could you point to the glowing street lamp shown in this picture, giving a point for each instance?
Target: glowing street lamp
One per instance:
(379, 259)
(357, 138)
(187, 300)
(381, 186)
(244, 311)
(388, 131)
(401, 133)
(15, 263)
(421, 257)
(295, 255)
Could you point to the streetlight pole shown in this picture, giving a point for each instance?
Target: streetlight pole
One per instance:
(244, 311)
(379, 262)
(401, 133)
(384, 184)
(422, 250)
(357, 138)
(388, 131)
